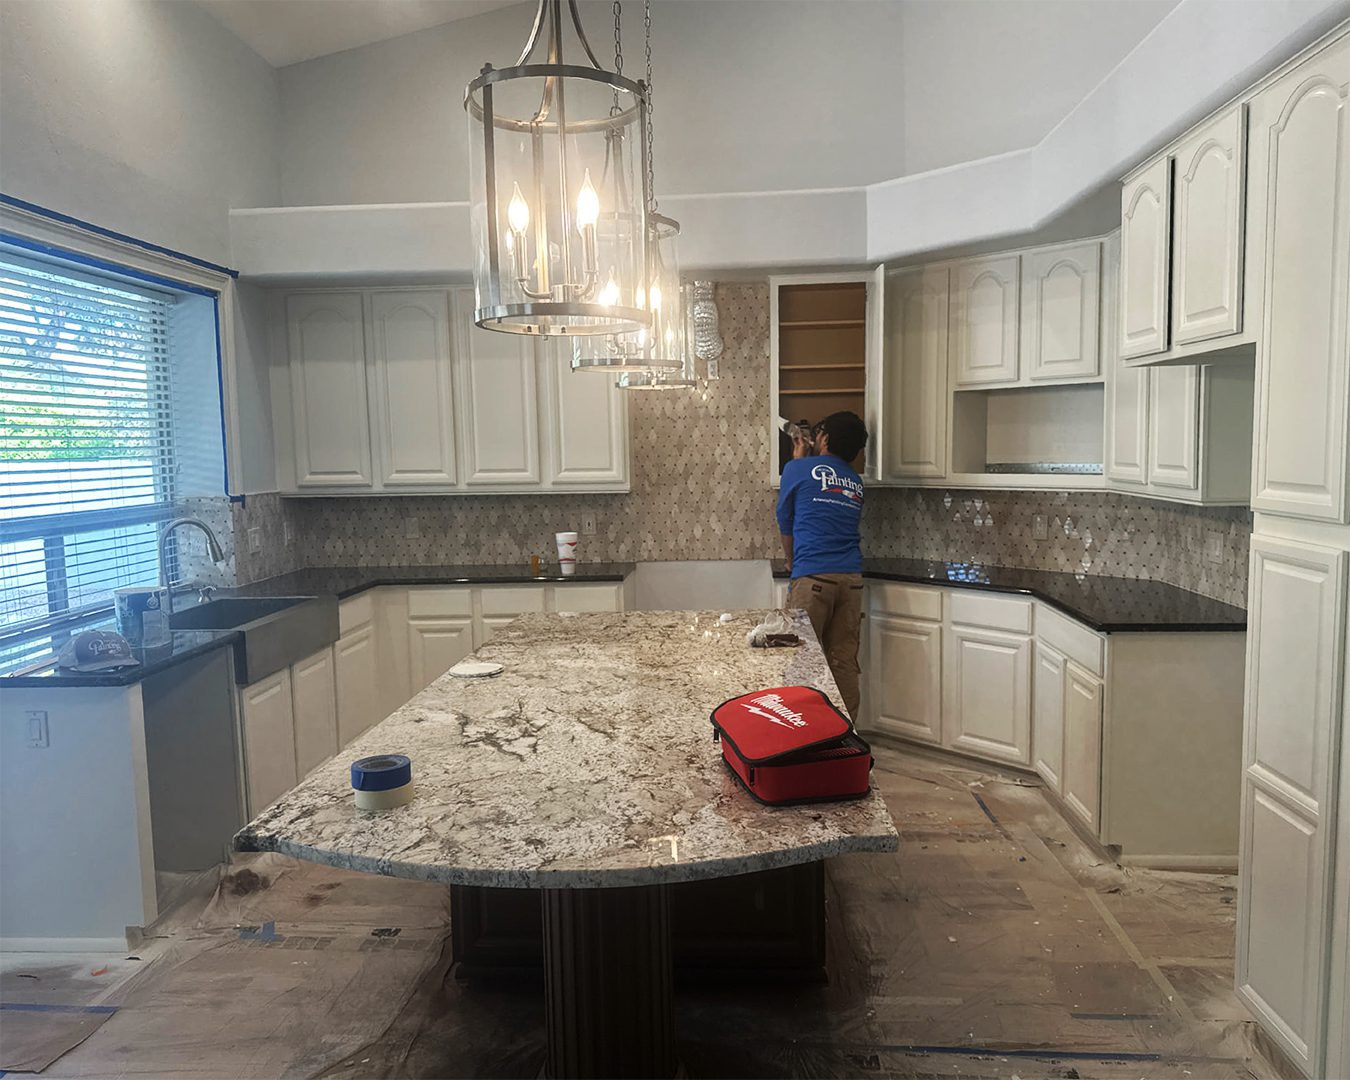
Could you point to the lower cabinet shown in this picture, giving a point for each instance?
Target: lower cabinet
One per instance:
(356, 675)
(314, 707)
(435, 645)
(909, 700)
(269, 740)
(1082, 744)
(1047, 716)
(987, 680)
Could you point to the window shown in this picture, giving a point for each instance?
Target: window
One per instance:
(86, 439)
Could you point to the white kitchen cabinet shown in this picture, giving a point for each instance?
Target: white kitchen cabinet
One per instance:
(984, 321)
(1145, 260)
(499, 414)
(1293, 706)
(587, 425)
(907, 695)
(356, 676)
(1060, 312)
(1047, 716)
(314, 710)
(1300, 181)
(1081, 778)
(598, 597)
(1127, 387)
(915, 376)
(330, 416)
(1174, 428)
(987, 693)
(499, 605)
(269, 740)
(411, 377)
(436, 643)
(448, 410)
(1181, 433)
(1208, 229)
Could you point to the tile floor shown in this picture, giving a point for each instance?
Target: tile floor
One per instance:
(995, 943)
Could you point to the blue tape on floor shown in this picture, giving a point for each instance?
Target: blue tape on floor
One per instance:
(17, 1007)
(266, 932)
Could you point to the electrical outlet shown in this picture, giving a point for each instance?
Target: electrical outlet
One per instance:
(38, 736)
(1040, 528)
(255, 539)
(411, 529)
(587, 524)
(1214, 547)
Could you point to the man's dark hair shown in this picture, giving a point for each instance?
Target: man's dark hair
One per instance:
(847, 434)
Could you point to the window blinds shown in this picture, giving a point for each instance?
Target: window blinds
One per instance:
(86, 439)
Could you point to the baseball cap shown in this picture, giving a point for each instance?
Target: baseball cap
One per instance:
(96, 650)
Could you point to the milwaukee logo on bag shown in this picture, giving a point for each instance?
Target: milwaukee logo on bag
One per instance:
(790, 744)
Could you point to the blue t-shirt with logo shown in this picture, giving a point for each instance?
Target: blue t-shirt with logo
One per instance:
(820, 505)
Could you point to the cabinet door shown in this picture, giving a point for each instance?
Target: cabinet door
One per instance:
(587, 423)
(598, 597)
(502, 604)
(269, 740)
(1082, 777)
(1047, 716)
(435, 645)
(314, 708)
(328, 390)
(1061, 290)
(984, 314)
(1207, 233)
(1127, 398)
(906, 661)
(1295, 641)
(499, 414)
(356, 676)
(1300, 174)
(1145, 255)
(987, 676)
(1174, 428)
(411, 372)
(915, 357)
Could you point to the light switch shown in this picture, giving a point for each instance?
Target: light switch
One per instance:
(1039, 528)
(255, 539)
(411, 530)
(1214, 546)
(37, 728)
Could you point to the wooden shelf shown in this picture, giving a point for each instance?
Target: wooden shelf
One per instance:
(822, 390)
(822, 367)
(820, 324)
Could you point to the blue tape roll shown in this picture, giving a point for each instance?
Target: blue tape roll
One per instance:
(381, 772)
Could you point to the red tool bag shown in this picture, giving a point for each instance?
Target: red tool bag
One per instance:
(791, 745)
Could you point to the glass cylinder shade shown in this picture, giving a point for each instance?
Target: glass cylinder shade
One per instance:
(662, 347)
(558, 200)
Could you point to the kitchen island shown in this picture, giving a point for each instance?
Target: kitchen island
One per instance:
(587, 770)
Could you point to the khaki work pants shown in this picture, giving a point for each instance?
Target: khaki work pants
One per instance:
(833, 602)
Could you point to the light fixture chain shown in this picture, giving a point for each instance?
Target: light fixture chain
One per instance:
(618, 37)
(651, 142)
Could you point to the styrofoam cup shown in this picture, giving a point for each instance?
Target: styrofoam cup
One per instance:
(567, 551)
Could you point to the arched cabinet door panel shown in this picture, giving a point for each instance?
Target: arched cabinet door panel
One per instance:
(984, 316)
(1145, 260)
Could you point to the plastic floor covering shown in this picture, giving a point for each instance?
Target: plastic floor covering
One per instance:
(995, 943)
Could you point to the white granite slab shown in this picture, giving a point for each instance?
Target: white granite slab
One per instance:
(589, 762)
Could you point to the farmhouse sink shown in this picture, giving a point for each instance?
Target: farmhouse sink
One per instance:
(274, 631)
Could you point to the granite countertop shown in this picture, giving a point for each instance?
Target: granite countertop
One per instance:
(184, 645)
(588, 763)
(345, 581)
(1109, 605)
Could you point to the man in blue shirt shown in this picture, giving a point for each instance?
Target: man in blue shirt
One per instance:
(819, 509)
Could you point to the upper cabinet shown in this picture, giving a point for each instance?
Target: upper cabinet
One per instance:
(1300, 185)
(330, 420)
(1208, 229)
(1145, 260)
(395, 390)
(1060, 312)
(984, 311)
(915, 375)
(411, 383)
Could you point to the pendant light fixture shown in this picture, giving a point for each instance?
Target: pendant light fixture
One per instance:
(559, 197)
(657, 358)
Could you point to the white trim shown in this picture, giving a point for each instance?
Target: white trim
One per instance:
(1198, 864)
(63, 945)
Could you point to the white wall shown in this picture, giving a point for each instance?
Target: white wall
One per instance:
(76, 859)
(149, 118)
(751, 95)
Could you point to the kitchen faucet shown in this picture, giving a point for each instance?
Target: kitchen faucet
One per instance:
(212, 546)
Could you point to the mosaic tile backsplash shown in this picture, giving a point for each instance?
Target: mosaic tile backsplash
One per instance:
(699, 463)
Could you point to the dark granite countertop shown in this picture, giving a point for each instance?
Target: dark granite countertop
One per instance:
(345, 581)
(184, 645)
(1109, 605)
